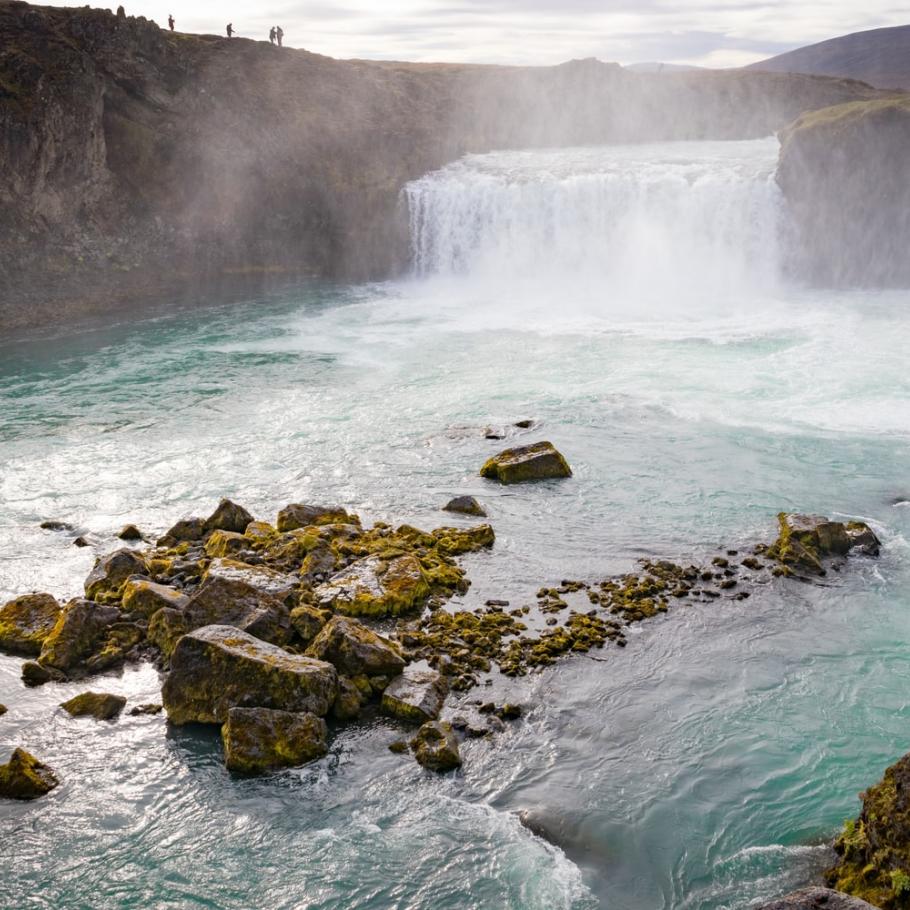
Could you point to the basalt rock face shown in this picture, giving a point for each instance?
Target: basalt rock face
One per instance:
(143, 163)
(846, 174)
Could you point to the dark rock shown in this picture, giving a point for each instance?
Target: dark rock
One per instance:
(24, 777)
(100, 705)
(33, 674)
(81, 542)
(141, 710)
(166, 628)
(299, 515)
(217, 668)
(509, 712)
(349, 700)
(3, 710)
(186, 530)
(78, 633)
(262, 739)
(26, 622)
(416, 696)
(110, 572)
(52, 525)
(465, 505)
(816, 899)
(435, 747)
(399, 746)
(540, 461)
(130, 532)
(228, 517)
(220, 601)
(308, 621)
(356, 650)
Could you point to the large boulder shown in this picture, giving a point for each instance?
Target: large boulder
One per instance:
(436, 747)
(166, 628)
(816, 899)
(416, 696)
(874, 850)
(26, 622)
(540, 461)
(355, 650)
(299, 515)
(376, 586)
(270, 582)
(100, 705)
(221, 601)
(263, 739)
(228, 517)
(144, 597)
(24, 777)
(217, 668)
(106, 579)
(78, 633)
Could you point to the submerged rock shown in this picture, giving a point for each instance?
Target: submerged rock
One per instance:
(262, 739)
(416, 696)
(24, 777)
(299, 515)
(435, 747)
(26, 622)
(78, 633)
(100, 705)
(275, 584)
(228, 517)
(141, 710)
(376, 586)
(815, 899)
(144, 597)
(106, 579)
(356, 650)
(805, 541)
(874, 849)
(540, 461)
(465, 505)
(217, 668)
(53, 525)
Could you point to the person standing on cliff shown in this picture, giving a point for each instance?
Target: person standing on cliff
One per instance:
(272, 35)
(279, 34)
(170, 22)
(230, 29)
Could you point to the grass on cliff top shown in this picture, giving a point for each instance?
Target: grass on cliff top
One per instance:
(844, 114)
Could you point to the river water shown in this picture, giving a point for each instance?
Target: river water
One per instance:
(634, 301)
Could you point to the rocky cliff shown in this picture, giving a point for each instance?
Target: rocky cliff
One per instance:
(846, 173)
(140, 163)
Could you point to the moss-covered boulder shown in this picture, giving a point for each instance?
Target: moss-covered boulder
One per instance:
(217, 668)
(436, 747)
(458, 541)
(804, 542)
(100, 705)
(376, 586)
(355, 650)
(465, 505)
(540, 461)
(874, 849)
(187, 530)
(117, 646)
(349, 701)
(78, 633)
(144, 597)
(106, 579)
(300, 515)
(275, 584)
(226, 543)
(416, 696)
(225, 602)
(166, 628)
(228, 517)
(26, 622)
(307, 622)
(24, 777)
(262, 739)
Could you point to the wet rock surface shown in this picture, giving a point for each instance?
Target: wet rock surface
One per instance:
(436, 748)
(106, 580)
(26, 622)
(355, 650)
(540, 461)
(465, 505)
(100, 705)
(262, 739)
(24, 777)
(416, 696)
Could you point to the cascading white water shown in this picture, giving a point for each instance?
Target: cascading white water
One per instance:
(637, 222)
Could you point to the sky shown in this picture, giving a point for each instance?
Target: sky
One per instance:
(715, 33)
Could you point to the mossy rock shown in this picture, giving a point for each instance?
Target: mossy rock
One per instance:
(262, 578)
(228, 517)
(26, 622)
(144, 597)
(465, 505)
(24, 777)
(225, 543)
(227, 602)
(100, 705)
(416, 696)
(79, 631)
(376, 586)
(457, 541)
(540, 461)
(300, 515)
(106, 580)
(355, 650)
(130, 533)
(436, 747)
(217, 668)
(166, 628)
(307, 622)
(33, 674)
(262, 739)
(349, 701)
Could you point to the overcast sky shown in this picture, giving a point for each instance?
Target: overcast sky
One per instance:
(703, 32)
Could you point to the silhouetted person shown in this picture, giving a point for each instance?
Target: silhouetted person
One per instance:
(279, 34)
(272, 35)
(170, 22)
(230, 30)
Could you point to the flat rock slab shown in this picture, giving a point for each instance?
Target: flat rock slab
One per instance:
(275, 584)
(416, 696)
(262, 739)
(374, 586)
(216, 668)
(816, 899)
(540, 461)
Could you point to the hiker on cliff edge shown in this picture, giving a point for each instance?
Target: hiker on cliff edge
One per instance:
(279, 34)
(272, 35)
(170, 22)
(230, 30)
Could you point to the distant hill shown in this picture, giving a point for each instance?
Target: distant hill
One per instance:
(880, 57)
(660, 67)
